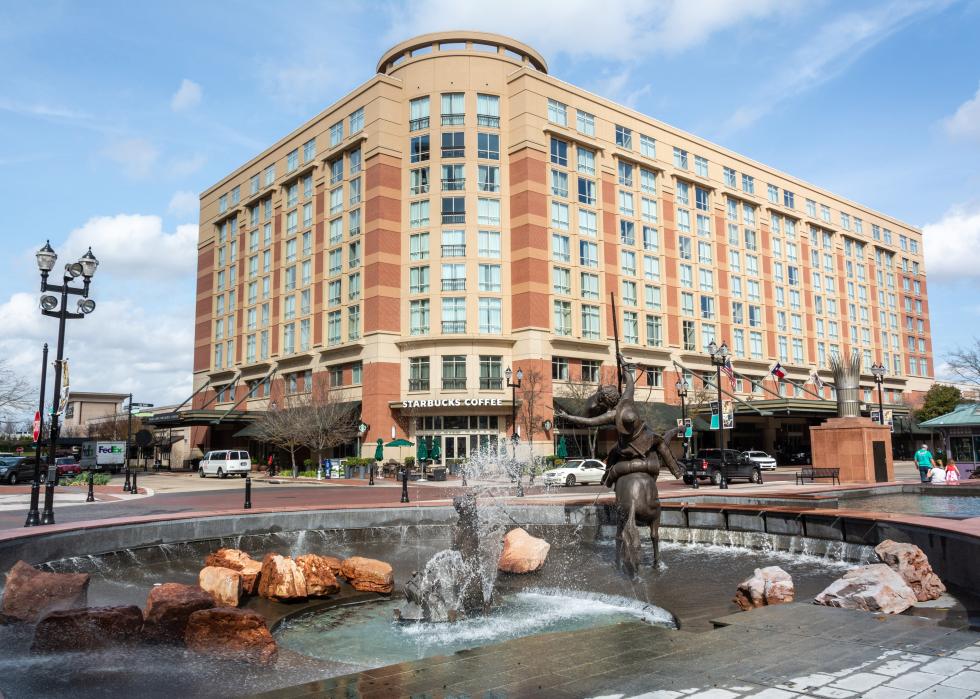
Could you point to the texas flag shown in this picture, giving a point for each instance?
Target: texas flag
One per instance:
(777, 371)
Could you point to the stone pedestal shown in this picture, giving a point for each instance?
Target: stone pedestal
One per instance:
(847, 443)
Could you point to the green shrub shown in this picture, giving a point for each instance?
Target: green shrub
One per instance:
(307, 474)
(410, 461)
(98, 479)
(308, 464)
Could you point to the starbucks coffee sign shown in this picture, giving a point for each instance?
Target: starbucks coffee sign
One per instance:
(453, 403)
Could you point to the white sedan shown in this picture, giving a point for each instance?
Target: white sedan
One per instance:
(761, 459)
(576, 471)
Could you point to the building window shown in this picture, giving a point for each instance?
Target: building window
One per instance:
(559, 369)
(489, 311)
(590, 370)
(336, 134)
(631, 329)
(563, 317)
(648, 146)
(490, 374)
(488, 178)
(419, 317)
(419, 151)
(488, 110)
(559, 152)
(788, 199)
(292, 160)
(488, 146)
(454, 372)
(748, 184)
(418, 374)
(356, 120)
(585, 161)
(418, 180)
(701, 166)
(453, 111)
(488, 243)
(624, 137)
(557, 113)
(585, 123)
(419, 114)
(453, 144)
(680, 158)
(353, 322)
(454, 315)
(590, 322)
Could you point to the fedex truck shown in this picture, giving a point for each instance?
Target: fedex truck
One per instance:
(103, 456)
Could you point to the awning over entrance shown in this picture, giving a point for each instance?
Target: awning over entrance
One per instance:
(201, 418)
(660, 416)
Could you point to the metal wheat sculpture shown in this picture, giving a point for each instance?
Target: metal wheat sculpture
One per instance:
(847, 378)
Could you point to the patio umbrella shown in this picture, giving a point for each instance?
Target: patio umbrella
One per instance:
(421, 453)
(436, 452)
(399, 443)
(562, 451)
(379, 452)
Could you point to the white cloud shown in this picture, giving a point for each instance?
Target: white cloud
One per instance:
(135, 246)
(182, 167)
(119, 347)
(830, 50)
(621, 30)
(965, 122)
(952, 246)
(137, 156)
(184, 204)
(188, 96)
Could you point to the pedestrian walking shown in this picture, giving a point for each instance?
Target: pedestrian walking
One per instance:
(925, 461)
(952, 472)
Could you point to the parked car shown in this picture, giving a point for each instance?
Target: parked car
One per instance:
(707, 465)
(67, 466)
(224, 463)
(796, 457)
(765, 462)
(16, 469)
(576, 471)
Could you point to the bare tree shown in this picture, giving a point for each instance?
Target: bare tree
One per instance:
(15, 391)
(325, 419)
(965, 362)
(113, 427)
(282, 427)
(527, 416)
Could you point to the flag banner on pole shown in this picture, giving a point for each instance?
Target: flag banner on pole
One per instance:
(729, 371)
(777, 371)
(65, 390)
(817, 381)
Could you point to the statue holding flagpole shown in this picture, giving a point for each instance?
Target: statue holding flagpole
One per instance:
(633, 464)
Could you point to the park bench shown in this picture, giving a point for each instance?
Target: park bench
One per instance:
(814, 473)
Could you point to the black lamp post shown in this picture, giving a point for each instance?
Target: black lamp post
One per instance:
(513, 421)
(719, 356)
(879, 373)
(54, 307)
(681, 387)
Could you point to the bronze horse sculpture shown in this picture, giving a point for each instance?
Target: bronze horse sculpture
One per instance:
(633, 466)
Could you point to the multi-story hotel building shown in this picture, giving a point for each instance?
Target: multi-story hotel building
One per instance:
(463, 212)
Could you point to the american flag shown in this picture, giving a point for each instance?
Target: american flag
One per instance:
(729, 371)
(777, 371)
(817, 381)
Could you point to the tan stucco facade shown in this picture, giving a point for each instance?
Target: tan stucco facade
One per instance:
(696, 242)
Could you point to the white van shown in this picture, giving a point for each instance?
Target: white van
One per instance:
(223, 463)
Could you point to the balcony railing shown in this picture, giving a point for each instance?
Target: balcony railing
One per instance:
(454, 250)
(453, 384)
(487, 384)
(487, 120)
(454, 285)
(488, 186)
(418, 124)
(454, 184)
(454, 218)
(453, 119)
(454, 327)
(419, 189)
(454, 152)
(420, 329)
(418, 384)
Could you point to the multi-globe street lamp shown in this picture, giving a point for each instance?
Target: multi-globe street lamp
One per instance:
(513, 420)
(719, 357)
(879, 373)
(681, 387)
(55, 307)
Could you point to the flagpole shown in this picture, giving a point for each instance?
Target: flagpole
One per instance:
(619, 368)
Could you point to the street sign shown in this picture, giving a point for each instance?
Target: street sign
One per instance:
(37, 424)
(362, 428)
(20, 450)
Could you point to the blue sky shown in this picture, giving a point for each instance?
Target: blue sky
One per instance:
(114, 115)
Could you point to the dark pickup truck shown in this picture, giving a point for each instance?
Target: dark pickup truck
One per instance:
(707, 466)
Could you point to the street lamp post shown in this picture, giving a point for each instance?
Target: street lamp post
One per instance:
(33, 515)
(719, 356)
(58, 308)
(879, 373)
(127, 486)
(681, 387)
(513, 422)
